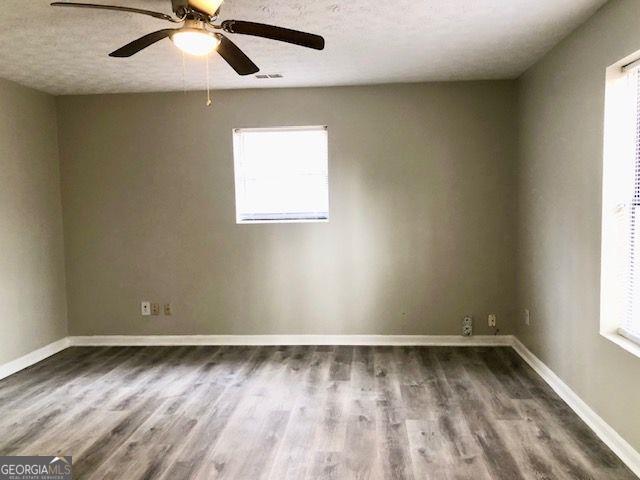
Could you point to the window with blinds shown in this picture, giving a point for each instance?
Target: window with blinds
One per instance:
(281, 174)
(630, 210)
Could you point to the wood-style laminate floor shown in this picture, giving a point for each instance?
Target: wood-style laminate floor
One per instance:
(278, 413)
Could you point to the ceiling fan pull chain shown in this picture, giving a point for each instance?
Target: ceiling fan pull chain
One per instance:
(208, 85)
(184, 75)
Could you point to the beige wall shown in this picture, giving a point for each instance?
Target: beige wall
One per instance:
(32, 299)
(560, 180)
(421, 228)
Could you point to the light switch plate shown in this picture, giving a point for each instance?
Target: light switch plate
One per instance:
(145, 308)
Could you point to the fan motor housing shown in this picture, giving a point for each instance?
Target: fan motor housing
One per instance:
(179, 6)
(183, 8)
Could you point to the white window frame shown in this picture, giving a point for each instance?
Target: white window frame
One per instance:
(618, 142)
(239, 174)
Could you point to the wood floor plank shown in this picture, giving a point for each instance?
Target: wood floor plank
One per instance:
(489, 387)
(52, 379)
(412, 371)
(295, 452)
(296, 412)
(105, 445)
(341, 366)
(360, 454)
(363, 379)
(48, 406)
(481, 421)
(327, 466)
(393, 441)
(264, 446)
(56, 364)
(154, 444)
(251, 420)
(428, 450)
(573, 442)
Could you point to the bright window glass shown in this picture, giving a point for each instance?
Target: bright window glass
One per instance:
(620, 272)
(281, 174)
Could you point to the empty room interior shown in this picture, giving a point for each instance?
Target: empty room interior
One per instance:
(320, 239)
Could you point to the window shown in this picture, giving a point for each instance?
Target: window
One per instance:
(281, 174)
(620, 296)
(630, 210)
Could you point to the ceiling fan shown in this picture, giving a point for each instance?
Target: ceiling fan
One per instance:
(200, 35)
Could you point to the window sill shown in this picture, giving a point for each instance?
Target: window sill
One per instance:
(262, 222)
(631, 347)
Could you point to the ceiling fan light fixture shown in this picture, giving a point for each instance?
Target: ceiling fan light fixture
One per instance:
(195, 41)
(200, 36)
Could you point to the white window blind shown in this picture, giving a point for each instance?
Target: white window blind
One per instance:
(281, 174)
(629, 212)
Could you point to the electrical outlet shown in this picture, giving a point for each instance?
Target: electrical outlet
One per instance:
(527, 317)
(155, 309)
(467, 326)
(492, 320)
(145, 308)
(167, 309)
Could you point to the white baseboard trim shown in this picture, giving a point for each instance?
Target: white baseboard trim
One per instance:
(34, 357)
(602, 429)
(441, 340)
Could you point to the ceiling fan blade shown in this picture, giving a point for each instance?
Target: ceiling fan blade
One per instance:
(303, 39)
(159, 15)
(236, 57)
(142, 43)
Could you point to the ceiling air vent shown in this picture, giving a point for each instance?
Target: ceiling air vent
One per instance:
(263, 76)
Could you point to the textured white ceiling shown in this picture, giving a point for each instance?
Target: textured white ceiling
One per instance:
(64, 51)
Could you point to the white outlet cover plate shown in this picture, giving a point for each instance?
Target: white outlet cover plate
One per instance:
(145, 308)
